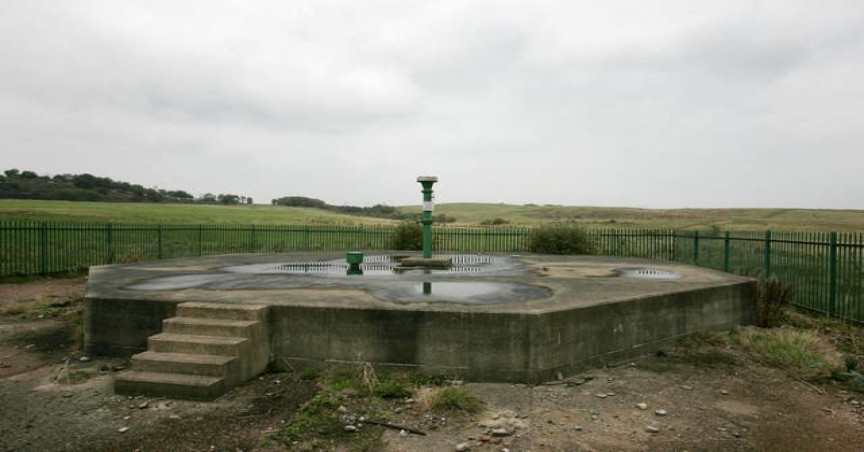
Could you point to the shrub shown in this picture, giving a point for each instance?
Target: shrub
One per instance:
(561, 238)
(494, 222)
(771, 299)
(408, 236)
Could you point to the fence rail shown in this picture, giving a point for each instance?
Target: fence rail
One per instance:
(825, 269)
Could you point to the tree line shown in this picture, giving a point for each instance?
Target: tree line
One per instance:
(378, 210)
(16, 184)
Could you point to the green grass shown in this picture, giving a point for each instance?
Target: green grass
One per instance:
(802, 353)
(732, 219)
(143, 213)
(470, 214)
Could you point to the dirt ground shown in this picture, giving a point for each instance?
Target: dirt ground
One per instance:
(708, 399)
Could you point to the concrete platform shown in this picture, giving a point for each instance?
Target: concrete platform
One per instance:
(541, 316)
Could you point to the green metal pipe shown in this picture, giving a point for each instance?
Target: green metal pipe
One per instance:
(428, 207)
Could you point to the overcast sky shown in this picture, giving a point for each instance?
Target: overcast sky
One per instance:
(640, 103)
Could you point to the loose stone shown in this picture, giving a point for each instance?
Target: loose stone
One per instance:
(123, 430)
(463, 447)
(501, 431)
(660, 412)
(652, 429)
(350, 428)
(642, 406)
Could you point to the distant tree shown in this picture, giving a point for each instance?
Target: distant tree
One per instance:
(228, 199)
(302, 201)
(11, 173)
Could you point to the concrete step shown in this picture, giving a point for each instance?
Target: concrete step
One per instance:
(169, 385)
(209, 327)
(187, 343)
(221, 311)
(183, 363)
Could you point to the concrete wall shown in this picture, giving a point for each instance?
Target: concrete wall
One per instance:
(121, 327)
(527, 347)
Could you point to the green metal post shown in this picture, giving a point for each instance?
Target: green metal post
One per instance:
(695, 247)
(43, 249)
(832, 276)
(159, 242)
(252, 239)
(110, 239)
(767, 264)
(726, 252)
(428, 207)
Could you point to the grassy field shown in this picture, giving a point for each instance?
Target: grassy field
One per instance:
(141, 213)
(465, 214)
(731, 219)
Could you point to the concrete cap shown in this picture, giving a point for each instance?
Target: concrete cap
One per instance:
(427, 179)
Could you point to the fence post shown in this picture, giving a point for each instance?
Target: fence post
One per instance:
(159, 241)
(200, 239)
(832, 276)
(43, 249)
(726, 252)
(110, 239)
(767, 264)
(252, 239)
(695, 247)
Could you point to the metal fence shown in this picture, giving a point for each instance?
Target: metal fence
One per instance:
(824, 269)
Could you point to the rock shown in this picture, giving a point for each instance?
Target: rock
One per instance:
(660, 412)
(342, 409)
(126, 418)
(687, 387)
(724, 392)
(601, 395)
(594, 417)
(350, 428)
(123, 430)
(652, 429)
(403, 433)
(484, 438)
(84, 359)
(578, 428)
(143, 405)
(610, 394)
(463, 447)
(501, 431)
(642, 406)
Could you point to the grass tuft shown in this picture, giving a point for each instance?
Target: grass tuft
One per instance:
(802, 353)
(449, 398)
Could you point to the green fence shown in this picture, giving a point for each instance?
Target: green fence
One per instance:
(824, 269)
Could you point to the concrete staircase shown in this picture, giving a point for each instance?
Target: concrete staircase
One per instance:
(202, 353)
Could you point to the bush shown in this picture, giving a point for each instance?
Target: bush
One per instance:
(494, 222)
(408, 236)
(561, 238)
(771, 299)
